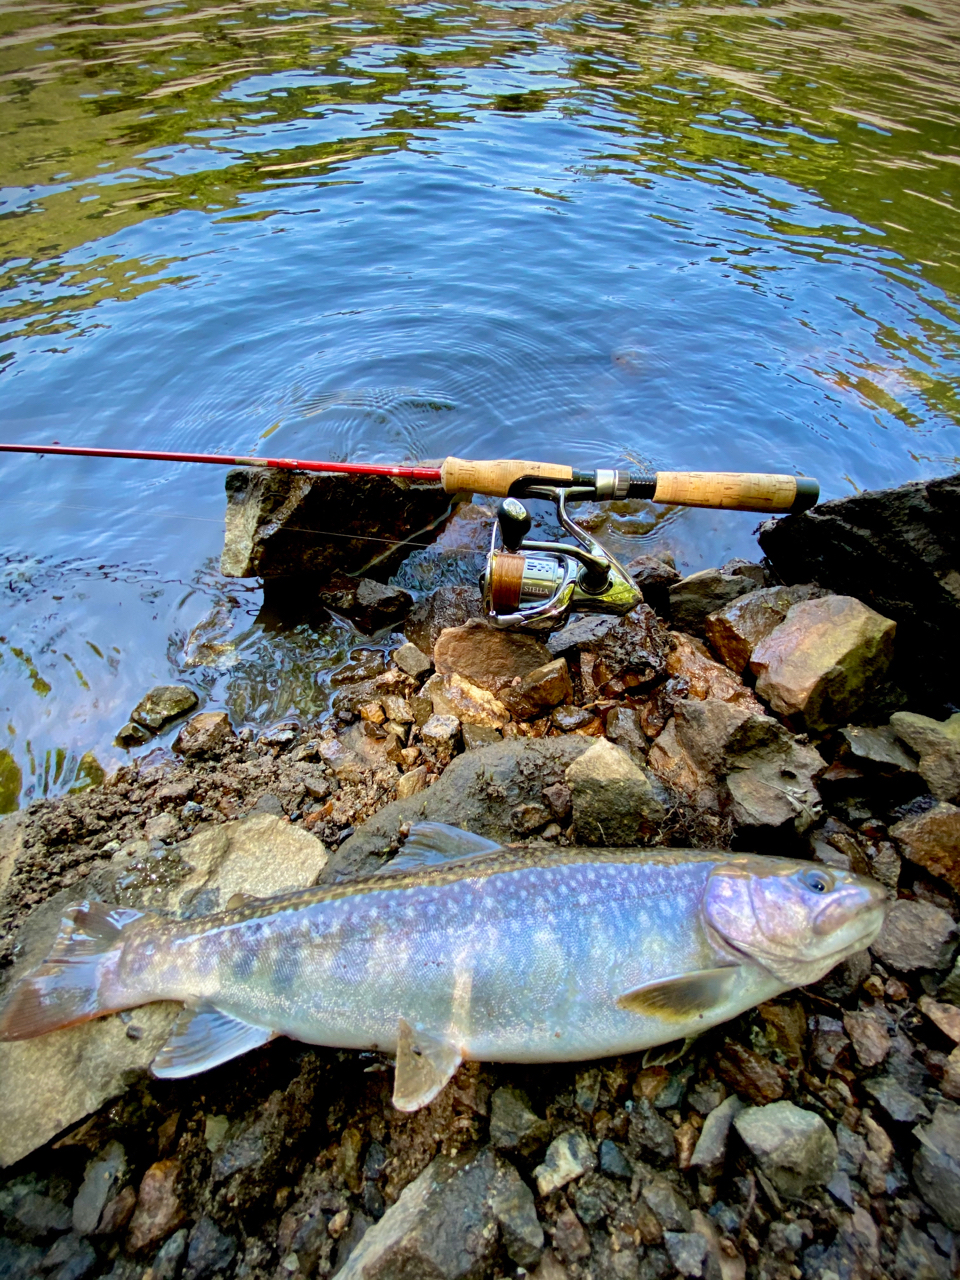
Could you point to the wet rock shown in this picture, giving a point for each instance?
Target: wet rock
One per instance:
(582, 633)
(570, 1240)
(116, 1212)
(747, 1073)
(868, 1035)
(900, 1103)
(710, 1152)
(30, 1213)
(793, 1147)
(631, 655)
(413, 782)
(654, 577)
(823, 663)
(447, 607)
(568, 1157)
(879, 747)
(614, 802)
(100, 1181)
(446, 1224)
(132, 735)
(538, 691)
(700, 677)
(376, 605)
(667, 1204)
(513, 1125)
(736, 629)
(936, 1166)
(478, 735)
(487, 656)
(570, 718)
(687, 1251)
(209, 1252)
(159, 1211)
(163, 704)
(937, 743)
(440, 737)
(207, 732)
(452, 695)
(12, 831)
(932, 840)
(623, 728)
(700, 594)
(411, 660)
(916, 935)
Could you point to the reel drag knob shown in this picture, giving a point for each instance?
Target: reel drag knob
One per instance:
(514, 521)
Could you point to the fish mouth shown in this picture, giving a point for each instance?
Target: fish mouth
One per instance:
(859, 901)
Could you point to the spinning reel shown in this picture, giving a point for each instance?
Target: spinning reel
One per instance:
(539, 584)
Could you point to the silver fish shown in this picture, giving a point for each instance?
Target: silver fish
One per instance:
(461, 949)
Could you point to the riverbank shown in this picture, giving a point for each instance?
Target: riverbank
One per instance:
(816, 1135)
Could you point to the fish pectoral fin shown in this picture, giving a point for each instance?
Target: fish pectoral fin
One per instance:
(202, 1038)
(430, 844)
(688, 995)
(662, 1055)
(425, 1063)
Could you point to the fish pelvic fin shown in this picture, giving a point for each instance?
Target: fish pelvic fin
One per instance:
(204, 1037)
(70, 985)
(425, 1062)
(685, 996)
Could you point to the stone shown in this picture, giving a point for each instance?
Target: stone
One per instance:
(411, 660)
(687, 1251)
(377, 605)
(735, 630)
(614, 802)
(570, 718)
(447, 607)
(932, 840)
(12, 831)
(950, 987)
(471, 704)
(159, 1211)
(667, 1204)
(166, 1265)
(447, 1223)
(623, 728)
(163, 704)
(936, 1165)
(397, 709)
(413, 782)
(793, 1147)
(487, 656)
(945, 1016)
(916, 935)
(693, 598)
(878, 747)
(654, 576)
(513, 1125)
(711, 1150)
(746, 1072)
(631, 655)
(209, 1252)
(478, 735)
(258, 855)
(898, 551)
(163, 827)
(650, 1132)
(207, 732)
(700, 677)
(582, 633)
(937, 743)
(278, 523)
(70, 1259)
(570, 1240)
(538, 691)
(868, 1035)
(821, 666)
(100, 1180)
(132, 735)
(900, 1103)
(440, 737)
(116, 1212)
(568, 1157)
(918, 1258)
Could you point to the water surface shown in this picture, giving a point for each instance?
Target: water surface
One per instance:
(700, 235)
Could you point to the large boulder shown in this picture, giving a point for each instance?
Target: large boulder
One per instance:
(898, 550)
(822, 665)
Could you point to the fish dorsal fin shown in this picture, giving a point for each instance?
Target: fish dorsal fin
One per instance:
(688, 995)
(425, 1062)
(202, 1038)
(431, 844)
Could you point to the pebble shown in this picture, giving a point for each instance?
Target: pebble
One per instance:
(207, 732)
(163, 704)
(613, 1162)
(945, 1016)
(667, 1205)
(440, 736)
(687, 1251)
(868, 1035)
(568, 1157)
(932, 840)
(412, 661)
(899, 1103)
(100, 1180)
(159, 1211)
(936, 1165)
(916, 935)
(513, 1125)
(711, 1149)
(793, 1146)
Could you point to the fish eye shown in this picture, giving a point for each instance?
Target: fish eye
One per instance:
(817, 881)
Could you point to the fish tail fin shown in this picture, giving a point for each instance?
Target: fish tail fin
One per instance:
(71, 984)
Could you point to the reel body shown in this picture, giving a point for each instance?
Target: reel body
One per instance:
(537, 585)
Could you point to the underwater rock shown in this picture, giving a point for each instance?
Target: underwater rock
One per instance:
(163, 704)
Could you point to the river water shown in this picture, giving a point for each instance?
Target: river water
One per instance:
(695, 235)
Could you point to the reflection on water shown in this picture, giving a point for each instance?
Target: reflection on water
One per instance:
(688, 234)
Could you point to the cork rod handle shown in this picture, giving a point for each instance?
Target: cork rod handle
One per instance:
(736, 491)
(461, 475)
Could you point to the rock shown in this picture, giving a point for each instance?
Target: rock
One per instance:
(445, 1224)
(936, 1166)
(444, 608)
(159, 1211)
(30, 1214)
(440, 737)
(209, 1252)
(259, 855)
(932, 840)
(896, 549)
(945, 1016)
(736, 629)
(100, 1181)
(917, 1257)
(654, 577)
(710, 1152)
(900, 1104)
(916, 935)
(582, 633)
(650, 1132)
(12, 830)
(631, 655)
(614, 802)
(163, 704)
(687, 1251)
(613, 1162)
(376, 605)
(569, 719)
(701, 677)
(455, 696)
(623, 728)
(411, 660)
(570, 1240)
(879, 747)
(166, 1265)
(703, 593)
(132, 735)
(538, 691)
(868, 1035)
(748, 1073)
(937, 743)
(667, 1204)
(950, 987)
(413, 782)
(793, 1147)
(164, 826)
(207, 732)
(823, 663)
(513, 1125)
(70, 1259)
(278, 523)
(478, 735)
(568, 1157)
(487, 656)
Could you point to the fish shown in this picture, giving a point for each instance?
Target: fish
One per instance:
(460, 949)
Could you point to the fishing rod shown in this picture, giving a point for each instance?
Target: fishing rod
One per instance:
(510, 477)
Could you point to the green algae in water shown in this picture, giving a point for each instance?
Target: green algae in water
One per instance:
(11, 781)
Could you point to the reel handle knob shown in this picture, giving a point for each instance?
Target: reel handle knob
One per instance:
(514, 521)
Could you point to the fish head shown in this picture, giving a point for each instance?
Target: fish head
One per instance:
(797, 919)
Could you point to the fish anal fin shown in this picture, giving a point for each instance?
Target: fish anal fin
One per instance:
(685, 996)
(430, 844)
(425, 1062)
(204, 1037)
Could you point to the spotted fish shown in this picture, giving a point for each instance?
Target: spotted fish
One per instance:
(462, 949)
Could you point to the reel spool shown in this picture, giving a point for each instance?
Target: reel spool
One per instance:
(537, 585)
